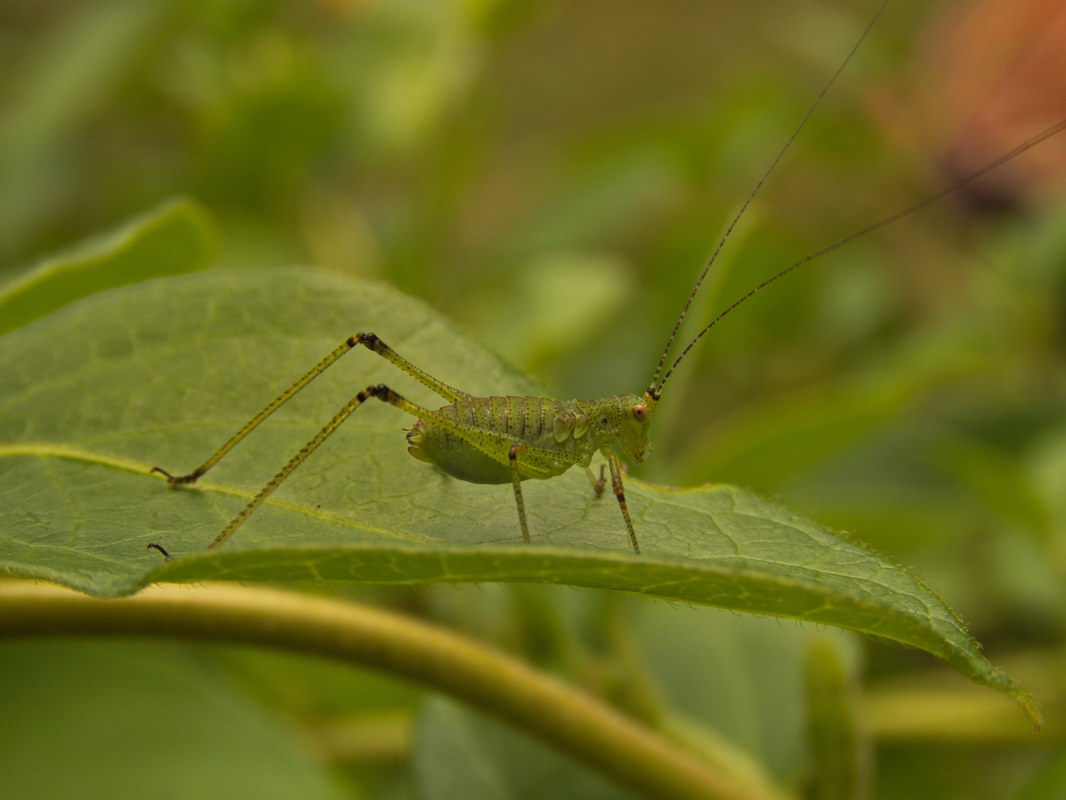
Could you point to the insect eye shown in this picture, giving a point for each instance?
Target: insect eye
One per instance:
(640, 412)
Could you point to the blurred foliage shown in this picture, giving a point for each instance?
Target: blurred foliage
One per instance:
(552, 175)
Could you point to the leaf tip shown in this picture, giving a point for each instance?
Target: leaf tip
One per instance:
(1029, 706)
(1020, 696)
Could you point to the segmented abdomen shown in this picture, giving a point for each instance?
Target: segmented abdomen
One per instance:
(533, 421)
(528, 419)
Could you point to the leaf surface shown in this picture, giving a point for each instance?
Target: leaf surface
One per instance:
(162, 372)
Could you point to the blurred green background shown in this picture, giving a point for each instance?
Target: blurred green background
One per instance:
(552, 175)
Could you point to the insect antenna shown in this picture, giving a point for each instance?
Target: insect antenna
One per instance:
(961, 183)
(655, 387)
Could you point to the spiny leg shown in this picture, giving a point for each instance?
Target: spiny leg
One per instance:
(516, 480)
(295, 461)
(616, 484)
(368, 340)
(484, 440)
(253, 423)
(380, 391)
(372, 342)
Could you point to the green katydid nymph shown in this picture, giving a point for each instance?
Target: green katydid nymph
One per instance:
(508, 440)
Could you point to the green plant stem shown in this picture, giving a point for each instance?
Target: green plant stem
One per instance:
(567, 718)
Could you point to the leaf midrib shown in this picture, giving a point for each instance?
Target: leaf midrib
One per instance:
(910, 619)
(53, 450)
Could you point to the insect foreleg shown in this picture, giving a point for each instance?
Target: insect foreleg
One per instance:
(597, 483)
(369, 341)
(616, 484)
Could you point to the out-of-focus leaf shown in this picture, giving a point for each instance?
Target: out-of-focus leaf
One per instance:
(121, 720)
(560, 299)
(174, 238)
(1048, 784)
(740, 677)
(839, 748)
(1048, 470)
(498, 762)
(999, 483)
(70, 72)
(771, 444)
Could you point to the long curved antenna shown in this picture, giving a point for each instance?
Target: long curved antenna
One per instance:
(655, 386)
(1047, 133)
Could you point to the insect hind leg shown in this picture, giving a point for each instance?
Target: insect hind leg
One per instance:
(368, 340)
(380, 391)
(270, 408)
(372, 342)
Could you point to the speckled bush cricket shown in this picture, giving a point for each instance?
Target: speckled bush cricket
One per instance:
(500, 440)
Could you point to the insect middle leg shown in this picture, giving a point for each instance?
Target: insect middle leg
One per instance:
(516, 481)
(500, 446)
(597, 486)
(520, 503)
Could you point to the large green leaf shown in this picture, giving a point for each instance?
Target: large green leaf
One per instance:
(162, 372)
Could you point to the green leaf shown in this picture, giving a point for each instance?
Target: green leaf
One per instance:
(1049, 783)
(499, 762)
(161, 373)
(170, 240)
(58, 93)
(839, 748)
(739, 678)
(125, 719)
(999, 483)
(769, 445)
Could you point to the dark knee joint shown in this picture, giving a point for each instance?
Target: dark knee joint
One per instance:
(368, 340)
(177, 480)
(381, 392)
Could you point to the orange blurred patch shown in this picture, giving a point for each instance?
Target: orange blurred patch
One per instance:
(997, 76)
